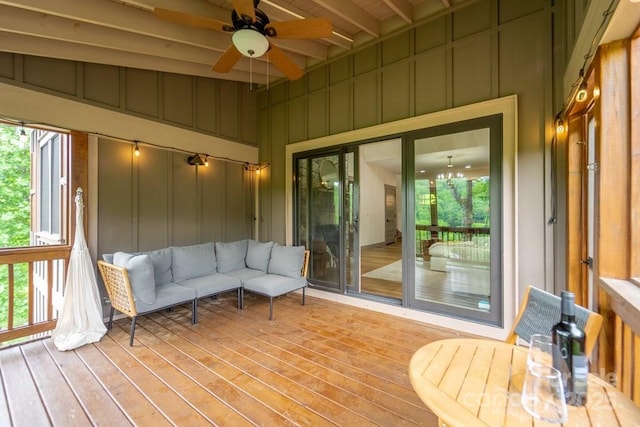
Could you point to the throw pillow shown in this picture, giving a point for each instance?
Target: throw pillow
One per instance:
(192, 261)
(161, 260)
(230, 256)
(286, 260)
(258, 255)
(140, 270)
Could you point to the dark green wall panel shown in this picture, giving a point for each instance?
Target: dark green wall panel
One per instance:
(213, 212)
(142, 92)
(102, 84)
(115, 194)
(7, 65)
(177, 94)
(154, 166)
(472, 71)
(184, 203)
(431, 34)
(340, 111)
(248, 116)
(510, 10)
(317, 115)
(207, 104)
(366, 101)
(297, 120)
(340, 70)
(317, 79)
(395, 92)
(431, 82)
(237, 219)
(396, 48)
(48, 73)
(229, 109)
(297, 87)
(473, 18)
(365, 60)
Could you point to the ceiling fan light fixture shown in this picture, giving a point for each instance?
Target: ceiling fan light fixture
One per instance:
(250, 43)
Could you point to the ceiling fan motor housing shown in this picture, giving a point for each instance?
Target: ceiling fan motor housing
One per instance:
(244, 22)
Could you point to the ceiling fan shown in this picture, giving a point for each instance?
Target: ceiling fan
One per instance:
(252, 32)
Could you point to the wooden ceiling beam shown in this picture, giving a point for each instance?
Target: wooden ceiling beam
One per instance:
(353, 14)
(402, 8)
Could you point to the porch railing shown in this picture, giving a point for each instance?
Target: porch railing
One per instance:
(621, 313)
(33, 281)
(426, 235)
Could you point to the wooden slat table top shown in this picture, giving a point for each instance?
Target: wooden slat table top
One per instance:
(468, 382)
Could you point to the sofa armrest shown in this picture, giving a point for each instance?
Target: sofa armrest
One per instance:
(305, 264)
(116, 280)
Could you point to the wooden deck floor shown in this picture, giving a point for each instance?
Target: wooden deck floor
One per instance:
(320, 364)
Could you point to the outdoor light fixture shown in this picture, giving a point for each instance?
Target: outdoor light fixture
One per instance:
(250, 43)
(581, 95)
(136, 150)
(198, 160)
(23, 134)
(560, 126)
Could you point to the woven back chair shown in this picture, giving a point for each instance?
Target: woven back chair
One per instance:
(540, 311)
(116, 281)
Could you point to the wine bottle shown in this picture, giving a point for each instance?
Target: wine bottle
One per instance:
(569, 355)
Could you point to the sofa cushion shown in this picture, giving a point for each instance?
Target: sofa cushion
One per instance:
(258, 255)
(192, 261)
(161, 260)
(286, 260)
(168, 294)
(230, 256)
(274, 285)
(245, 274)
(212, 284)
(108, 258)
(140, 271)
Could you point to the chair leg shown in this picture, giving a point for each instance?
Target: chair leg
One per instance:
(241, 290)
(270, 308)
(111, 318)
(303, 289)
(194, 311)
(133, 330)
(239, 298)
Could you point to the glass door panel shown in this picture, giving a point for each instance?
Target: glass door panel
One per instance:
(318, 216)
(457, 201)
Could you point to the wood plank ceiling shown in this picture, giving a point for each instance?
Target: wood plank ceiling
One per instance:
(127, 33)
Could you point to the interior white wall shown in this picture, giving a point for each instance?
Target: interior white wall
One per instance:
(372, 221)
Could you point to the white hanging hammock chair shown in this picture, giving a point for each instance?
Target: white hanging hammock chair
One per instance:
(80, 321)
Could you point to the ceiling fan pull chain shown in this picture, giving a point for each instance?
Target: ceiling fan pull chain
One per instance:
(250, 74)
(267, 71)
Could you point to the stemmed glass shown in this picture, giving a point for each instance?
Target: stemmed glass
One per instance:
(543, 393)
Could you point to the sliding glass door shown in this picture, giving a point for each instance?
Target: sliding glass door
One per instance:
(414, 219)
(457, 204)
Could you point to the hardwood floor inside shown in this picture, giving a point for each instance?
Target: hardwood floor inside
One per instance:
(374, 258)
(320, 364)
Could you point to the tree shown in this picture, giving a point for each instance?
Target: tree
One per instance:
(15, 187)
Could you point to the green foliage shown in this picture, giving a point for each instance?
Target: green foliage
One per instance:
(15, 186)
(451, 203)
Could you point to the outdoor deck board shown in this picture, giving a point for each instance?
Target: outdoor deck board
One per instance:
(320, 364)
(57, 396)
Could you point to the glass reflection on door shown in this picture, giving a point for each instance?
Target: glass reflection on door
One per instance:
(319, 216)
(453, 221)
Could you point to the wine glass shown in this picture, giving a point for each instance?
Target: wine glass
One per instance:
(543, 394)
(540, 350)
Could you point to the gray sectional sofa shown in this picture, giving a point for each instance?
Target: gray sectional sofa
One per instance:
(145, 282)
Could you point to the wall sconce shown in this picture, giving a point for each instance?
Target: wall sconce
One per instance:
(23, 134)
(198, 160)
(560, 126)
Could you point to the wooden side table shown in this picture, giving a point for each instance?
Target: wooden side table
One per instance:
(467, 382)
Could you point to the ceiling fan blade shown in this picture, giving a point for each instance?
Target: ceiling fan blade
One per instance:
(311, 28)
(245, 8)
(191, 20)
(284, 63)
(228, 59)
